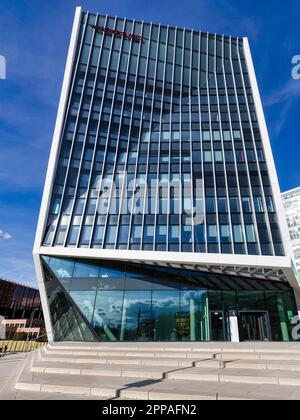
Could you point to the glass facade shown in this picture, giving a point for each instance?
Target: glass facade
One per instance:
(161, 149)
(173, 107)
(18, 301)
(111, 301)
(68, 323)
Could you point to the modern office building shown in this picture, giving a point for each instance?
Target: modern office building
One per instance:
(162, 218)
(20, 311)
(291, 202)
(17, 301)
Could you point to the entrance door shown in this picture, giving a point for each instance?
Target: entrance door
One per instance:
(217, 326)
(254, 326)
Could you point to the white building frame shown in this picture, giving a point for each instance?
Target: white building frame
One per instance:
(257, 267)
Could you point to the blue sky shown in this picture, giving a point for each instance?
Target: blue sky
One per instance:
(34, 37)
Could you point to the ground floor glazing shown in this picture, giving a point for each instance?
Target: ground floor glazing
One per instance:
(111, 301)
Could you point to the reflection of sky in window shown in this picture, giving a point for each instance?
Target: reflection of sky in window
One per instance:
(138, 308)
(85, 302)
(166, 301)
(108, 308)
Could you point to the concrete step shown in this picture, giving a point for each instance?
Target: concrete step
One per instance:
(129, 378)
(107, 387)
(124, 361)
(128, 371)
(150, 347)
(142, 354)
(238, 376)
(199, 373)
(286, 365)
(112, 359)
(171, 358)
(117, 360)
(283, 348)
(259, 356)
(115, 387)
(243, 360)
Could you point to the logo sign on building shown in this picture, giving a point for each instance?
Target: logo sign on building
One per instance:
(116, 32)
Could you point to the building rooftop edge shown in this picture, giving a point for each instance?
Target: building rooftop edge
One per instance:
(291, 191)
(82, 10)
(18, 284)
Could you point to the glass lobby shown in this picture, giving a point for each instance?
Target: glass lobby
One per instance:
(112, 301)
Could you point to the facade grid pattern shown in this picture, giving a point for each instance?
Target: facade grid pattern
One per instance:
(161, 217)
(176, 106)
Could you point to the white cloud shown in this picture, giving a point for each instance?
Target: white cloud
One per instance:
(289, 91)
(281, 119)
(284, 98)
(5, 236)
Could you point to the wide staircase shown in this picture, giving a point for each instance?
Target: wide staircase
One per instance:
(165, 371)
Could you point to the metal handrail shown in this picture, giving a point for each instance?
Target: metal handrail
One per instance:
(34, 340)
(37, 338)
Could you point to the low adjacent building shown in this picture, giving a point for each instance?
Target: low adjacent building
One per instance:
(21, 313)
